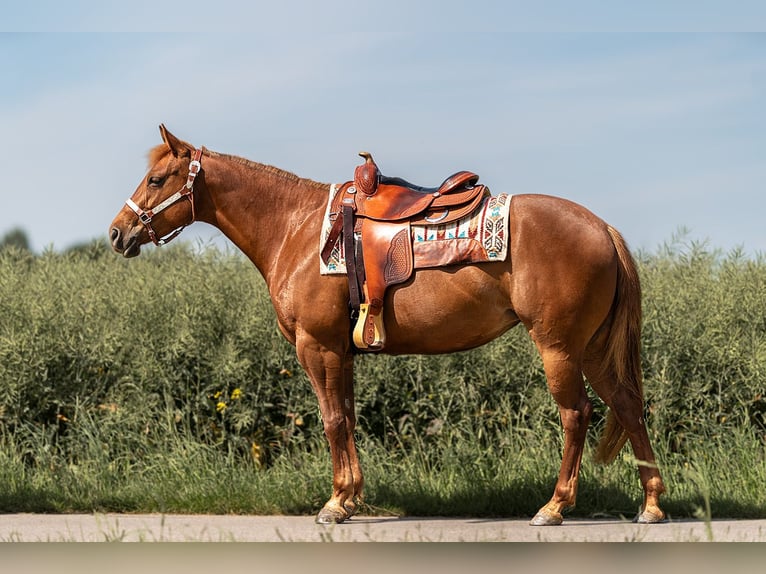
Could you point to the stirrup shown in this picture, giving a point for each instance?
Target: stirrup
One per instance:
(369, 333)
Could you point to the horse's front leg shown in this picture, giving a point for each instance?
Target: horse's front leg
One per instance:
(327, 369)
(349, 407)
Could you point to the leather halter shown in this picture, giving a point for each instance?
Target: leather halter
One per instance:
(187, 191)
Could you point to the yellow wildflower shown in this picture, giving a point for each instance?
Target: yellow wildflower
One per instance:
(236, 394)
(255, 452)
(220, 407)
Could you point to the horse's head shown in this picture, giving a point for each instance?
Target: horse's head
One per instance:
(155, 212)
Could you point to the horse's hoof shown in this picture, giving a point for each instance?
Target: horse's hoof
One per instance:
(648, 517)
(547, 518)
(330, 516)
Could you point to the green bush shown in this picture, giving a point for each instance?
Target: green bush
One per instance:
(127, 385)
(704, 342)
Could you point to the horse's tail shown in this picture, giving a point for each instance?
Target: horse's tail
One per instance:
(623, 345)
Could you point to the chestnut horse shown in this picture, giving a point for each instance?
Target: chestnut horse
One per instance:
(569, 279)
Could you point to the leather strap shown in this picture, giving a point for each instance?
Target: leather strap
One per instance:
(332, 238)
(349, 248)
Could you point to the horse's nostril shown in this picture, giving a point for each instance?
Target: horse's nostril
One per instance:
(115, 234)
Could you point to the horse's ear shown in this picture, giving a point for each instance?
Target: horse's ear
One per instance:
(176, 146)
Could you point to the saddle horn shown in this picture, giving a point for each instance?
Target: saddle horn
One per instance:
(366, 175)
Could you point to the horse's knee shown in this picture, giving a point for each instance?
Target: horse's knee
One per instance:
(334, 425)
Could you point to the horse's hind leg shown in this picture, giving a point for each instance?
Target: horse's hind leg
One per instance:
(627, 406)
(565, 381)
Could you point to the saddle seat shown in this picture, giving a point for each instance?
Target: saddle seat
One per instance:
(375, 213)
(393, 199)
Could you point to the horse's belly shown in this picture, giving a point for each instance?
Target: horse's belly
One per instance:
(445, 311)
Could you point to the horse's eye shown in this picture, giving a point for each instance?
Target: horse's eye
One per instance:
(155, 181)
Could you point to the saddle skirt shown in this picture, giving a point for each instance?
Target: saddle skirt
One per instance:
(481, 236)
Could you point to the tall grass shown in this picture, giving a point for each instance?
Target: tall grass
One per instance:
(162, 384)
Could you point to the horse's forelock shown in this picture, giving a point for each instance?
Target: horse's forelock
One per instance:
(156, 154)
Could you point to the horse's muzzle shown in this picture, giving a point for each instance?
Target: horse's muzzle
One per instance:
(127, 246)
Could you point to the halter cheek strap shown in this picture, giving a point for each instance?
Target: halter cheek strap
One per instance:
(186, 192)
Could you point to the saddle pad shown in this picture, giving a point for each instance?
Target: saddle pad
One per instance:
(488, 226)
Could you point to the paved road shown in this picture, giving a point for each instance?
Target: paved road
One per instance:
(207, 528)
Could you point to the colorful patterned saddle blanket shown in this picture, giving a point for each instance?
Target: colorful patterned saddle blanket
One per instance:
(479, 237)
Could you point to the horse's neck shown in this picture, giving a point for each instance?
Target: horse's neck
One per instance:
(262, 210)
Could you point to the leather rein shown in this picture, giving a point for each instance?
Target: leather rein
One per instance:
(186, 192)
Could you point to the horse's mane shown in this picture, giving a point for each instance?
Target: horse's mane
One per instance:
(262, 167)
(157, 153)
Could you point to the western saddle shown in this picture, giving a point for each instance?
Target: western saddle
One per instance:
(373, 214)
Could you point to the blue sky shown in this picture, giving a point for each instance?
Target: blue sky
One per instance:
(655, 120)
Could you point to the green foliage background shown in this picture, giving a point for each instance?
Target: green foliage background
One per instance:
(162, 384)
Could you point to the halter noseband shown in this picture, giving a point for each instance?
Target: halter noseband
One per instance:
(187, 191)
